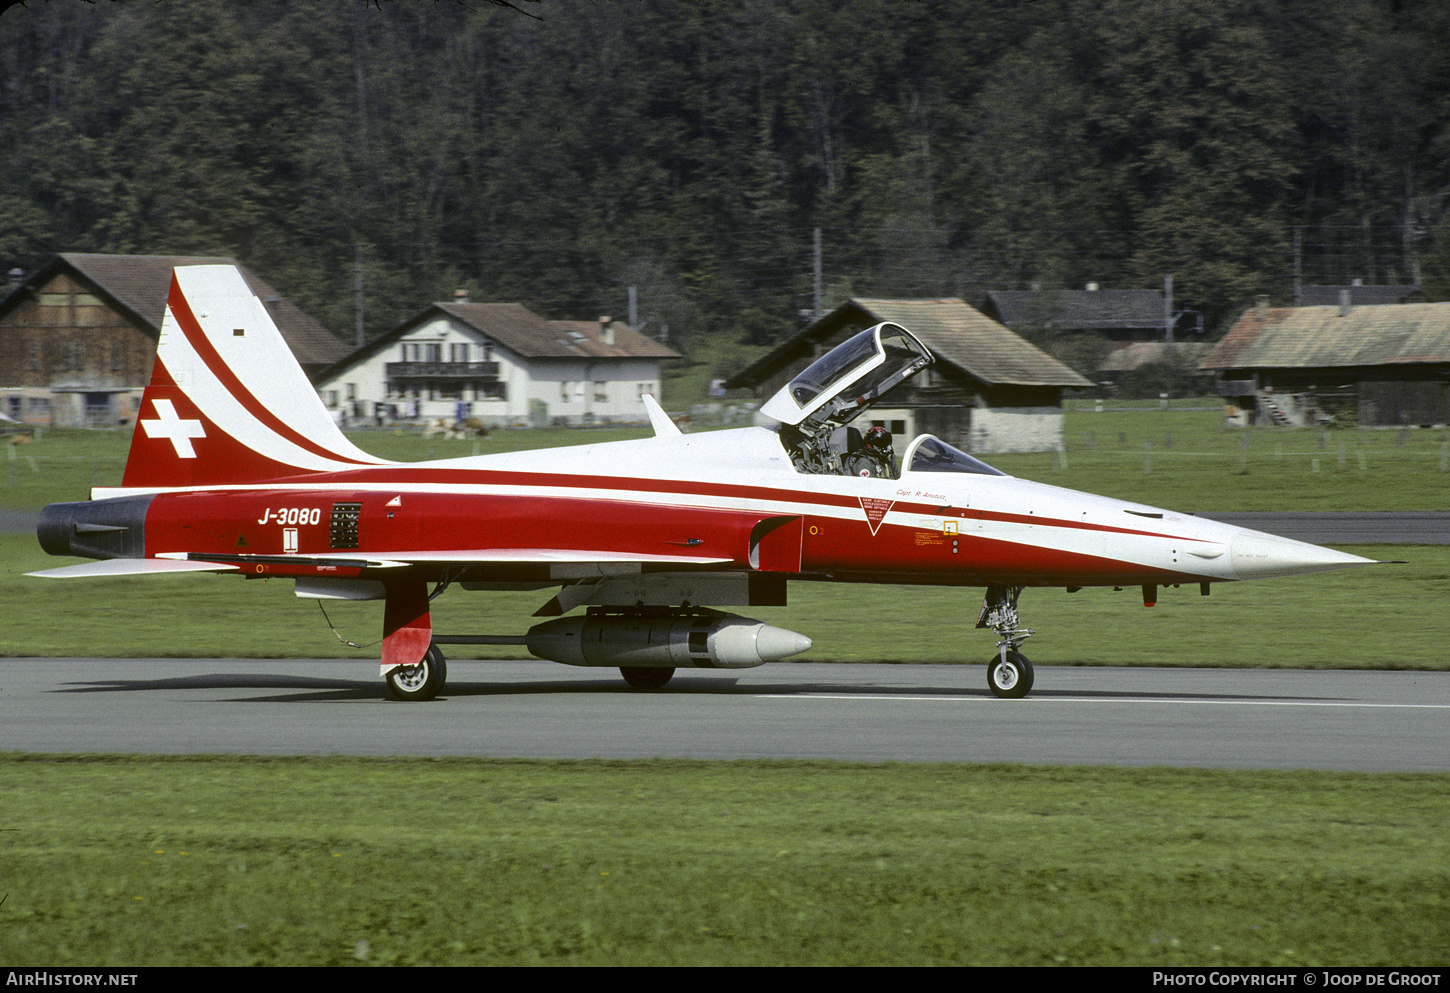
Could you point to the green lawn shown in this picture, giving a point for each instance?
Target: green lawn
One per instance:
(63, 464)
(1183, 458)
(1376, 616)
(114, 861)
(325, 862)
(1384, 616)
(1188, 460)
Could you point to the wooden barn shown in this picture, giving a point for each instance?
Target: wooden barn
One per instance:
(1377, 366)
(1119, 317)
(988, 391)
(78, 336)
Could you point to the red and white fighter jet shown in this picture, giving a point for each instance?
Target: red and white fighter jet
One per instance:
(235, 465)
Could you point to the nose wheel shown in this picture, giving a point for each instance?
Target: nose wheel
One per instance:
(1009, 674)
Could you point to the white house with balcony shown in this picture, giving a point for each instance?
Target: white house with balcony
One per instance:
(501, 364)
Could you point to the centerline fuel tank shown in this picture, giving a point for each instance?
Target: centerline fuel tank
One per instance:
(663, 637)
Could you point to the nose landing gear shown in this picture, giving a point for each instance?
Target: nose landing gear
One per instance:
(1009, 674)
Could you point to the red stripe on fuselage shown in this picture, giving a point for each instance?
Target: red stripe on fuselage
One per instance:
(256, 522)
(191, 327)
(444, 477)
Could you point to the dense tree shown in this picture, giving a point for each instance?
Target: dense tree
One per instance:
(1190, 111)
(1032, 195)
(562, 154)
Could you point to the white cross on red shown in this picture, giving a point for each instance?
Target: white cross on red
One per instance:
(174, 429)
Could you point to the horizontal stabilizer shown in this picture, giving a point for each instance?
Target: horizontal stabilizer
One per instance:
(128, 567)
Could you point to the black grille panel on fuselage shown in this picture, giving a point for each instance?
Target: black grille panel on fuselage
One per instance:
(344, 525)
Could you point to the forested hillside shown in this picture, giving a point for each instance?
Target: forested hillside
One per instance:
(559, 153)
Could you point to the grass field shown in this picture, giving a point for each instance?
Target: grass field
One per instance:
(1387, 616)
(1186, 459)
(236, 861)
(63, 464)
(1183, 458)
(239, 861)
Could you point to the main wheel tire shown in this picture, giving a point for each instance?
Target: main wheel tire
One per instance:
(645, 677)
(1011, 677)
(419, 682)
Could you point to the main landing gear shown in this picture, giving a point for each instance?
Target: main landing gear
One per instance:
(419, 682)
(646, 677)
(1009, 673)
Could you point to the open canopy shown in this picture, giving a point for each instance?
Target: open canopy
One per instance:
(849, 379)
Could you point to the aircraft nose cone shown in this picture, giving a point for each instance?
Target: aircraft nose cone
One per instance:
(773, 643)
(1255, 555)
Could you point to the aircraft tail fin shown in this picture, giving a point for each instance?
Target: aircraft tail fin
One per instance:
(227, 401)
(658, 419)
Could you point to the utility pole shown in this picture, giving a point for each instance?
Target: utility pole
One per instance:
(1168, 309)
(358, 291)
(816, 310)
(634, 308)
(1298, 263)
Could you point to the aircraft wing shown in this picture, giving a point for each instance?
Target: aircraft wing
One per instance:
(192, 562)
(131, 567)
(549, 556)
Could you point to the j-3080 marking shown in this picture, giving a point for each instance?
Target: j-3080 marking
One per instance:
(292, 515)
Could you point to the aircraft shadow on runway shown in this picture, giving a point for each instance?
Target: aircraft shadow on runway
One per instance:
(315, 689)
(322, 689)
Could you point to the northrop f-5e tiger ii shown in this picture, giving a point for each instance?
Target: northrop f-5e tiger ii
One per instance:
(236, 466)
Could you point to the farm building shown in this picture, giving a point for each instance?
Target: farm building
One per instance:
(1379, 365)
(1110, 332)
(1141, 354)
(1119, 317)
(78, 337)
(988, 391)
(501, 364)
(1360, 295)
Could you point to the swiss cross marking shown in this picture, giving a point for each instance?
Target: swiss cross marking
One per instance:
(174, 429)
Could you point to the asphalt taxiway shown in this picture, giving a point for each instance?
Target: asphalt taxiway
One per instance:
(1231, 718)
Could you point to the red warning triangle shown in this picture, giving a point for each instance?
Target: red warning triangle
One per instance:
(875, 510)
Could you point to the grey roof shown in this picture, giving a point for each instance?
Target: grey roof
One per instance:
(139, 285)
(955, 332)
(1086, 310)
(516, 327)
(1141, 353)
(1318, 337)
(1326, 296)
